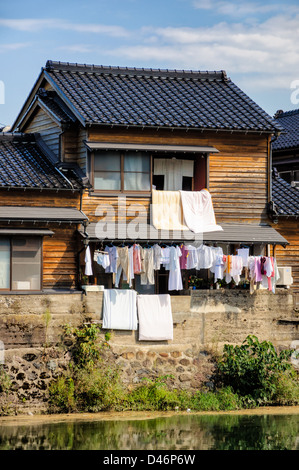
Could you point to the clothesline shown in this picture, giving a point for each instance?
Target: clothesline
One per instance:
(144, 261)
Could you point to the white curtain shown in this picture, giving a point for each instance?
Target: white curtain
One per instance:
(173, 170)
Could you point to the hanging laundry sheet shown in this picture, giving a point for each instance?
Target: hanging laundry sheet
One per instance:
(88, 262)
(167, 210)
(120, 309)
(198, 211)
(155, 317)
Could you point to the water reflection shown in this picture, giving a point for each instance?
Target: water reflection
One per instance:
(188, 432)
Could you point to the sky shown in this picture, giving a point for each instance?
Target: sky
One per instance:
(256, 43)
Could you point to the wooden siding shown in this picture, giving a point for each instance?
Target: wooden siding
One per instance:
(289, 256)
(237, 175)
(113, 209)
(47, 128)
(73, 148)
(60, 257)
(60, 250)
(41, 198)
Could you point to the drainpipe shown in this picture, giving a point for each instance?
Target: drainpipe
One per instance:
(277, 134)
(66, 179)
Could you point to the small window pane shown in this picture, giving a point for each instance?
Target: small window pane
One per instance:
(4, 263)
(107, 180)
(187, 183)
(137, 182)
(158, 182)
(26, 264)
(107, 161)
(137, 162)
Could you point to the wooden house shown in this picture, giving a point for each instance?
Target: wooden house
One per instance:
(285, 147)
(117, 127)
(286, 215)
(39, 217)
(285, 190)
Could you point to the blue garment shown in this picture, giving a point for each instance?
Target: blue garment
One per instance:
(112, 252)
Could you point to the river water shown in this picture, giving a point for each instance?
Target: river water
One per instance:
(262, 429)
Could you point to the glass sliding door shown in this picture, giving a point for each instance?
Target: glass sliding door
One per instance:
(26, 263)
(4, 263)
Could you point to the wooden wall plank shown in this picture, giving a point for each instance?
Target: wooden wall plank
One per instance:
(289, 256)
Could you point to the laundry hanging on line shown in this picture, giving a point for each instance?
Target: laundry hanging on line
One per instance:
(144, 261)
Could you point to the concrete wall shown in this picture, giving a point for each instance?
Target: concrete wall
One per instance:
(205, 318)
(31, 328)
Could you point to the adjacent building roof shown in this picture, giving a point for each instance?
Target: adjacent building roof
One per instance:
(41, 214)
(285, 197)
(155, 98)
(24, 164)
(232, 233)
(289, 138)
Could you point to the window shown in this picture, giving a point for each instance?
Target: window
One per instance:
(4, 264)
(20, 263)
(172, 174)
(123, 172)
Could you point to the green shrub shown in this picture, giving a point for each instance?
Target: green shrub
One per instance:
(98, 389)
(287, 389)
(62, 395)
(252, 368)
(91, 383)
(219, 400)
(86, 348)
(5, 382)
(153, 395)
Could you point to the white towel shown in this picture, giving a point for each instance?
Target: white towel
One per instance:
(120, 309)
(167, 211)
(155, 317)
(198, 211)
(88, 264)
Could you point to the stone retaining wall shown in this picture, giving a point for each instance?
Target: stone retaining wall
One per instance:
(31, 328)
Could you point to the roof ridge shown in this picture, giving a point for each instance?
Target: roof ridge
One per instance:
(27, 137)
(169, 73)
(279, 114)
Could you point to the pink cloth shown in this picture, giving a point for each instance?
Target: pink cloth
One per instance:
(136, 259)
(183, 258)
(258, 273)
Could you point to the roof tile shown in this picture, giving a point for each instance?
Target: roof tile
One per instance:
(24, 165)
(159, 98)
(289, 138)
(285, 197)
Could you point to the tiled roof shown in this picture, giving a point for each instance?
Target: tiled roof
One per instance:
(23, 164)
(156, 98)
(284, 196)
(289, 139)
(56, 105)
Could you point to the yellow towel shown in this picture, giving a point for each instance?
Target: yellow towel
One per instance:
(167, 210)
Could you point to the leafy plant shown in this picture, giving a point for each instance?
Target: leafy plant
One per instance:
(5, 382)
(251, 369)
(86, 349)
(62, 395)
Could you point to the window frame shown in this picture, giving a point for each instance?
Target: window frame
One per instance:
(11, 238)
(122, 155)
